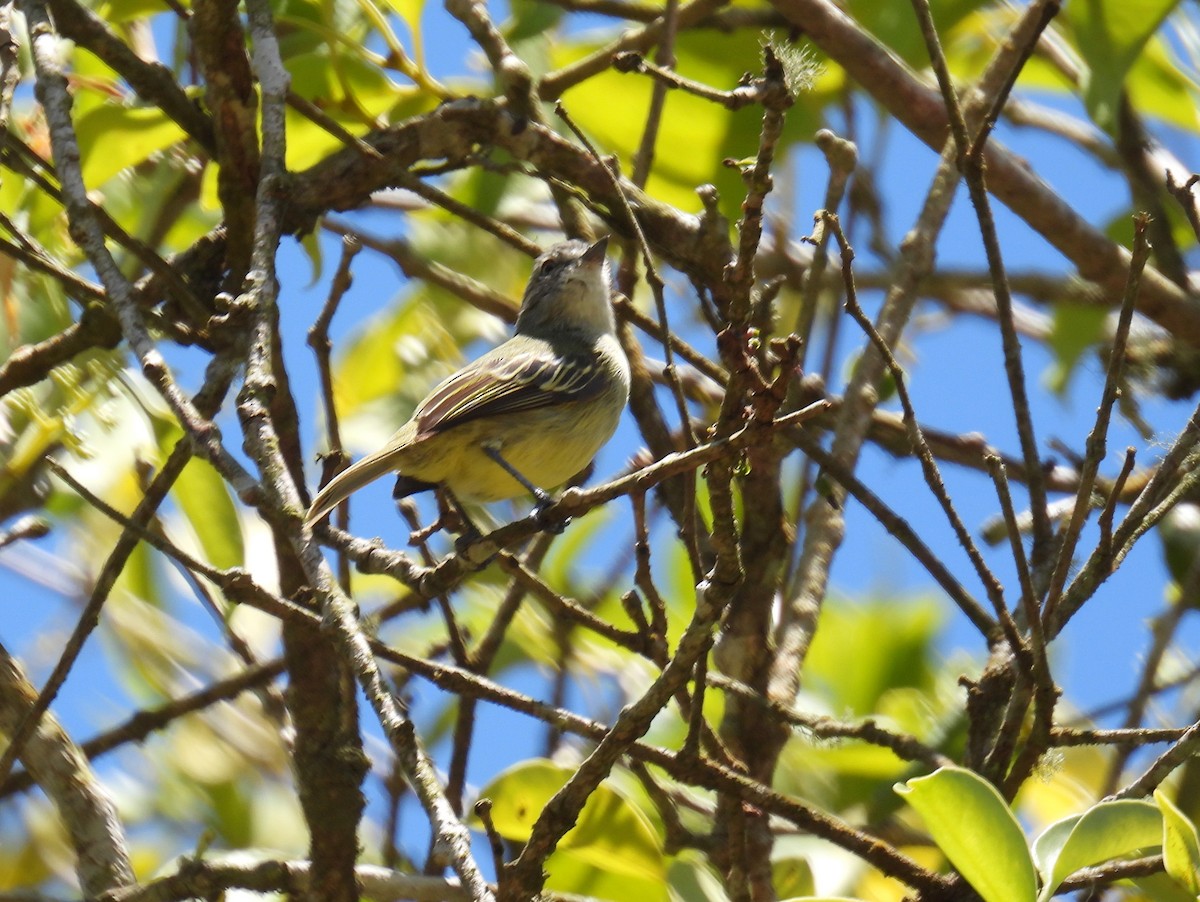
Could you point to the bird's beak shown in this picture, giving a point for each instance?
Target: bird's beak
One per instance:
(594, 255)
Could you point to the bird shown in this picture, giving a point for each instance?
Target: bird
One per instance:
(526, 416)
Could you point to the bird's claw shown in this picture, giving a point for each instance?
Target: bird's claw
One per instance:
(466, 539)
(543, 518)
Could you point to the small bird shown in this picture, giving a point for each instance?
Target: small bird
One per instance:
(526, 416)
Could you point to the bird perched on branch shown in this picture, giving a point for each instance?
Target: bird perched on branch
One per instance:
(526, 416)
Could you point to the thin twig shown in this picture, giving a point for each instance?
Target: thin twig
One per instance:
(1028, 600)
(1097, 440)
(1185, 196)
(901, 530)
(665, 77)
(1105, 522)
(141, 724)
(318, 340)
(643, 160)
(929, 467)
(652, 277)
(552, 85)
(973, 172)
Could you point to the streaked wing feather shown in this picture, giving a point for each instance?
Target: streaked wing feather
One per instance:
(507, 386)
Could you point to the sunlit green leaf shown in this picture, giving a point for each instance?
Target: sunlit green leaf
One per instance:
(899, 636)
(972, 825)
(408, 10)
(116, 11)
(1110, 35)
(313, 250)
(562, 569)
(1076, 328)
(137, 131)
(1181, 845)
(1159, 87)
(792, 877)
(693, 879)
(203, 496)
(611, 108)
(1160, 888)
(610, 839)
(896, 24)
(356, 95)
(1107, 831)
(386, 355)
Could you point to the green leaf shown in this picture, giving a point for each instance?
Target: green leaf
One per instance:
(1158, 86)
(203, 497)
(691, 878)
(900, 637)
(1076, 328)
(970, 822)
(1159, 888)
(611, 108)
(1181, 845)
(1104, 832)
(1111, 35)
(387, 353)
(1050, 842)
(896, 25)
(792, 877)
(408, 10)
(531, 19)
(115, 12)
(350, 90)
(612, 848)
(310, 243)
(114, 137)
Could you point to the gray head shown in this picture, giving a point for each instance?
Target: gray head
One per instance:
(568, 290)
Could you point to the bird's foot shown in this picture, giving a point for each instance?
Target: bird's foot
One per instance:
(543, 518)
(467, 537)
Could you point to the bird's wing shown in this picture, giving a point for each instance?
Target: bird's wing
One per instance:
(498, 385)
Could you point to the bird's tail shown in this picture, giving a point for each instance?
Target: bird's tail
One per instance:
(350, 480)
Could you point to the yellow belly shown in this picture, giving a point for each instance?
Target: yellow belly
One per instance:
(546, 447)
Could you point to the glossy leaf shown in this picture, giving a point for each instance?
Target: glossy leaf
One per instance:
(972, 825)
(611, 838)
(1181, 845)
(1107, 831)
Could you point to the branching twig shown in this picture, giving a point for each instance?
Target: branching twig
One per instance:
(933, 476)
(1097, 441)
(970, 160)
